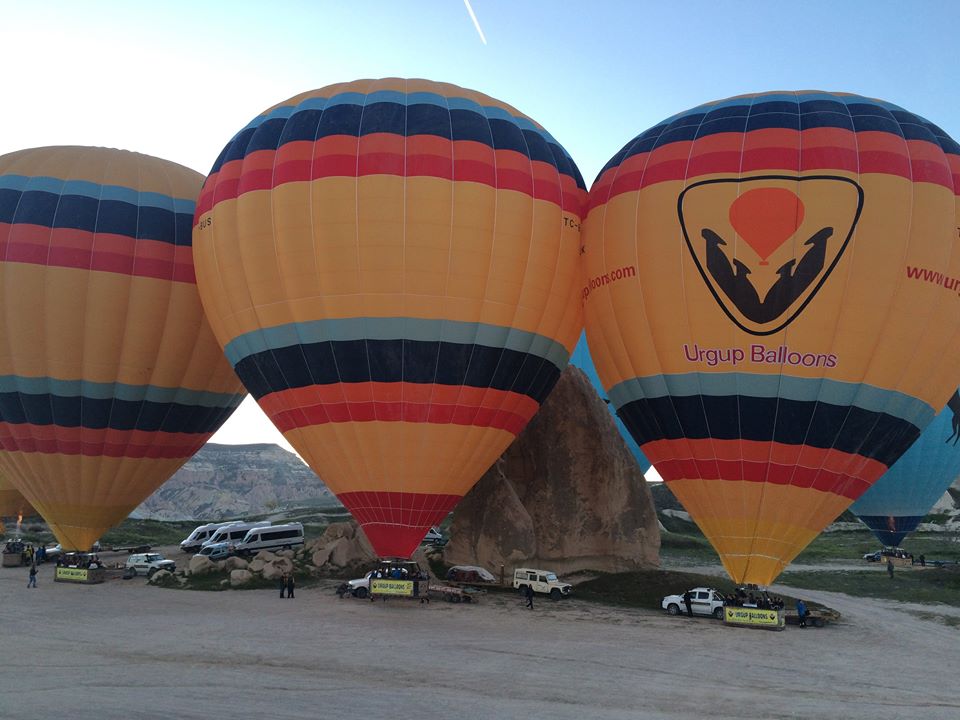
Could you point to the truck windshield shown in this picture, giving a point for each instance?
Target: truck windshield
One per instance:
(551, 577)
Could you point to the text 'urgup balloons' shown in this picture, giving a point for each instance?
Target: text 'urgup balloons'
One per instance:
(772, 299)
(110, 378)
(391, 267)
(895, 504)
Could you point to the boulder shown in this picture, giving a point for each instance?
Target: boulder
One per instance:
(568, 495)
(272, 572)
(240, 577)
(235, 563)
(289, 554)
(320, 556)
(201, 565)
(256, 565)
(342, 545)
(160, 577)
(265, 555)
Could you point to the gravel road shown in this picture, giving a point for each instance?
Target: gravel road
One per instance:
(128, 651)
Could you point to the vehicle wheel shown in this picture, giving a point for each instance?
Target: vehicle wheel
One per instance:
(673, 609)
(133, 572)
(818, 622)
(522, 589)
(555, 594)
(718, 613)
(361, 593)
(286, 547)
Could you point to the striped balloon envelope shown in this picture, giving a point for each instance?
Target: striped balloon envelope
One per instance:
(771, 298)
(110, 378)
(898, 502)
(12, 503)
(391, 267)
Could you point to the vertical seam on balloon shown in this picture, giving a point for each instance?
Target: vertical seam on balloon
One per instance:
(405, 514)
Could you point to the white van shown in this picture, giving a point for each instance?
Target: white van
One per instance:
(274, 537)
(200, 535)
(234, 532)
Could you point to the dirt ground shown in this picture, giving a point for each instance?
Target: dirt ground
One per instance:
(128, 651)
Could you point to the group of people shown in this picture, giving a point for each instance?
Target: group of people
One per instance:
(398, 572)
(80, 560)
(28, 554)
(762, 600)
(287, 584)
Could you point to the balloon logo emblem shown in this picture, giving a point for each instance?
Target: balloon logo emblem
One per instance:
(766, 245)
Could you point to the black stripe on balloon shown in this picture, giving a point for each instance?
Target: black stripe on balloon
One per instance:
(77, 212)
(890, 530)
(396, 119)
(848, 429)
(45, 409)
(857, 117)
(412, 361)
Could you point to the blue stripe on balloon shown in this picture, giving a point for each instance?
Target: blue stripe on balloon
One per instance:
(84, 188)
(833, 392)
(395, 328)
(120, 391)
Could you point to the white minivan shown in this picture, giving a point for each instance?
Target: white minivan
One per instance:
(234, 532)
(200, 535)
(274, 537)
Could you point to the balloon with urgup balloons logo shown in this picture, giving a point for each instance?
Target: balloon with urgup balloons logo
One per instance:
(392, 268)
(772, 300)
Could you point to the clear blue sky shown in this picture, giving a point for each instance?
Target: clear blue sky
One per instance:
(177, 79)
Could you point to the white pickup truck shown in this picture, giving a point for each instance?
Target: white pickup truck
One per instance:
(703, 601)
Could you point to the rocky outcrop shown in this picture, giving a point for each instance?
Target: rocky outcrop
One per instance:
(240, 577)
(201, 565)
(567, 495)
(230, 481)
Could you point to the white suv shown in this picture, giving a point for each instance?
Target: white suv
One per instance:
(542, 581)
(148, 563)
(703, 601)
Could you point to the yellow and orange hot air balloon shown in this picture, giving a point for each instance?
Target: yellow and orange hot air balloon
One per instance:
(391, 267)
(110, 378)
(12, 503)
(772, 298)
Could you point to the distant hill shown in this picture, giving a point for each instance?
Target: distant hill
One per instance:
(228, 481)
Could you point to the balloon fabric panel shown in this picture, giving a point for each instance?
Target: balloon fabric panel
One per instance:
(391, 267)
(754, 269)
(110, 378)
(898, 502)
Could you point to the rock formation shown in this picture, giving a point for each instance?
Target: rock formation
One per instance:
(567, 495)
(230, 481)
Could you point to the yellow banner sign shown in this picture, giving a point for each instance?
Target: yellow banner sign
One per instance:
(384, 586)
(72, 574)
(753, 616)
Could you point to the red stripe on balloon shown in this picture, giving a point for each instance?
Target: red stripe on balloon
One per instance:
(396, 522)
(398, 402)
(806, 151)
(501, 169)
(103, 252)
(55, 439)
(828, 470)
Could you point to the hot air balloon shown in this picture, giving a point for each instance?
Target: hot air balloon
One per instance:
(110, 378)
(581, 359)
(391, 267)
(12, 503)
(895, 504)
(771, 299)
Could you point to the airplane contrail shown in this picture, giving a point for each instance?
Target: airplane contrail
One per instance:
(476, 23)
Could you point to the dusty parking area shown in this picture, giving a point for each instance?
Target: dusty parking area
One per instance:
(127, 650)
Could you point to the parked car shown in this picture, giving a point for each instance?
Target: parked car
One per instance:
(704, 601)
(360, 587)
(200, 534)
(148, 563)
(218, 551)
(542, 581)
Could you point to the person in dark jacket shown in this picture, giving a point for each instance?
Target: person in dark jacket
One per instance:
(283, 584)
(802, 613)
(688, 602)
(32, 582)
(890, 568)
(291, 583)
(528, 593)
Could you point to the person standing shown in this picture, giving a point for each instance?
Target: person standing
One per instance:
(32, 582)
(890, 567)
(283, 584)
(528, 592)
(923, 561)
(291, 583)
(688, 602)
(802, 613)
